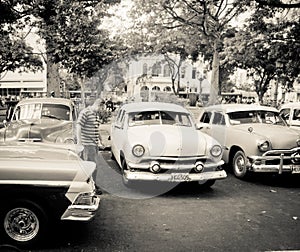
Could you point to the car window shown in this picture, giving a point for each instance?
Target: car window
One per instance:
(218, 118)
(205, 118)
(285, 114)
(120, 118)
(38, 111)
(260, 116)
(296, 114)
(56, 111)
(159, 117)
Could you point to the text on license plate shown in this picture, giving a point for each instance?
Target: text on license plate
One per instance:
(295, 168)
(179, 177)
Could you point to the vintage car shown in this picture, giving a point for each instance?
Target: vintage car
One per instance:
(290, 112)
(40, 185)
(255, 138)
(153, 141)
(49, 120)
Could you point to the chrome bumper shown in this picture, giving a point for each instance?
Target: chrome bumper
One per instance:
(288, 161)
(177, 175)
(82, 212)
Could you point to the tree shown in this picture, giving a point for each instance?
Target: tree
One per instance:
(70, 30)
(15, 54)
(208, 20)
(268, 48)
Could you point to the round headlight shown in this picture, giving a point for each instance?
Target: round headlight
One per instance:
(216, 151)
(69, 141)
(298, 142)
(138, 150)
(263, 146)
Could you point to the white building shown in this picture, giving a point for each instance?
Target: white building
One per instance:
(150, 74)
(23, 84)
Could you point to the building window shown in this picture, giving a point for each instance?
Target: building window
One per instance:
(166, 70)
(156, 88)
(145, 69)
(194, 73)
(167, 89)
(156, 69)
(144, 88)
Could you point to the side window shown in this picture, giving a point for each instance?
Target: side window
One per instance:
(205, 117)
(218, 119)
(296, 114)
(120, 119)
(285, 114)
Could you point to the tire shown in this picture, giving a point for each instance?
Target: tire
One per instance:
(239, 164)
(23, 223)
(126, 182)
(207, 183)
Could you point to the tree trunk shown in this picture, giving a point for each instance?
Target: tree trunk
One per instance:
(53, 79)
(214, 85)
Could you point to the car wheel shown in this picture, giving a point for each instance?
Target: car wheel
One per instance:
(207, 183)
(239, 164)
(23, 223)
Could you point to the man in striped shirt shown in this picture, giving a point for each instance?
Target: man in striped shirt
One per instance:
(88, 133)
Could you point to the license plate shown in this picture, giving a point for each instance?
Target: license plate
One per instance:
(295, 168)
(179, 177)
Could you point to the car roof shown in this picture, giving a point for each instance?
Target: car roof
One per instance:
(228, 108)
(291, 105)
(153, 106)
(46, 100)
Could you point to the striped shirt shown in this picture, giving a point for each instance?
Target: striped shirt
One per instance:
(89, 121)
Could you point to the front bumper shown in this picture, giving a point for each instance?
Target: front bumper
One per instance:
(178, 175)
(276, 161)
(76, 212)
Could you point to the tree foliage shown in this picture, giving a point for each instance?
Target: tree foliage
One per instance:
(70, 31)
(201, 23)
(268, 48)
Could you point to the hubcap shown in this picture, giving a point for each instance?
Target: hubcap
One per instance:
(240, 164)
(21, 224)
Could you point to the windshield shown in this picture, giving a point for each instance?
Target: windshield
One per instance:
(259, 116)
(159, 117)
(38, 111)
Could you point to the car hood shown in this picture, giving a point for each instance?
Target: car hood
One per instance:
(41, 130)
(169, 140)
(279, 136)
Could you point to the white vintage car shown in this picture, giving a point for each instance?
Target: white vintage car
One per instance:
(39, 186)
(154, 141)
(255, 138)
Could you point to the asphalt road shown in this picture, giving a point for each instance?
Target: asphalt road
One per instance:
(259, 214)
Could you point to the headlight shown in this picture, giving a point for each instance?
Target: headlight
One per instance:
(138, 150)
(298, 142)
(263, 146)
(216, 151)
(69, 141)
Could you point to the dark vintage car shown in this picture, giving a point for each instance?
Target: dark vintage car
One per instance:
(39, 187)
(49, 120)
